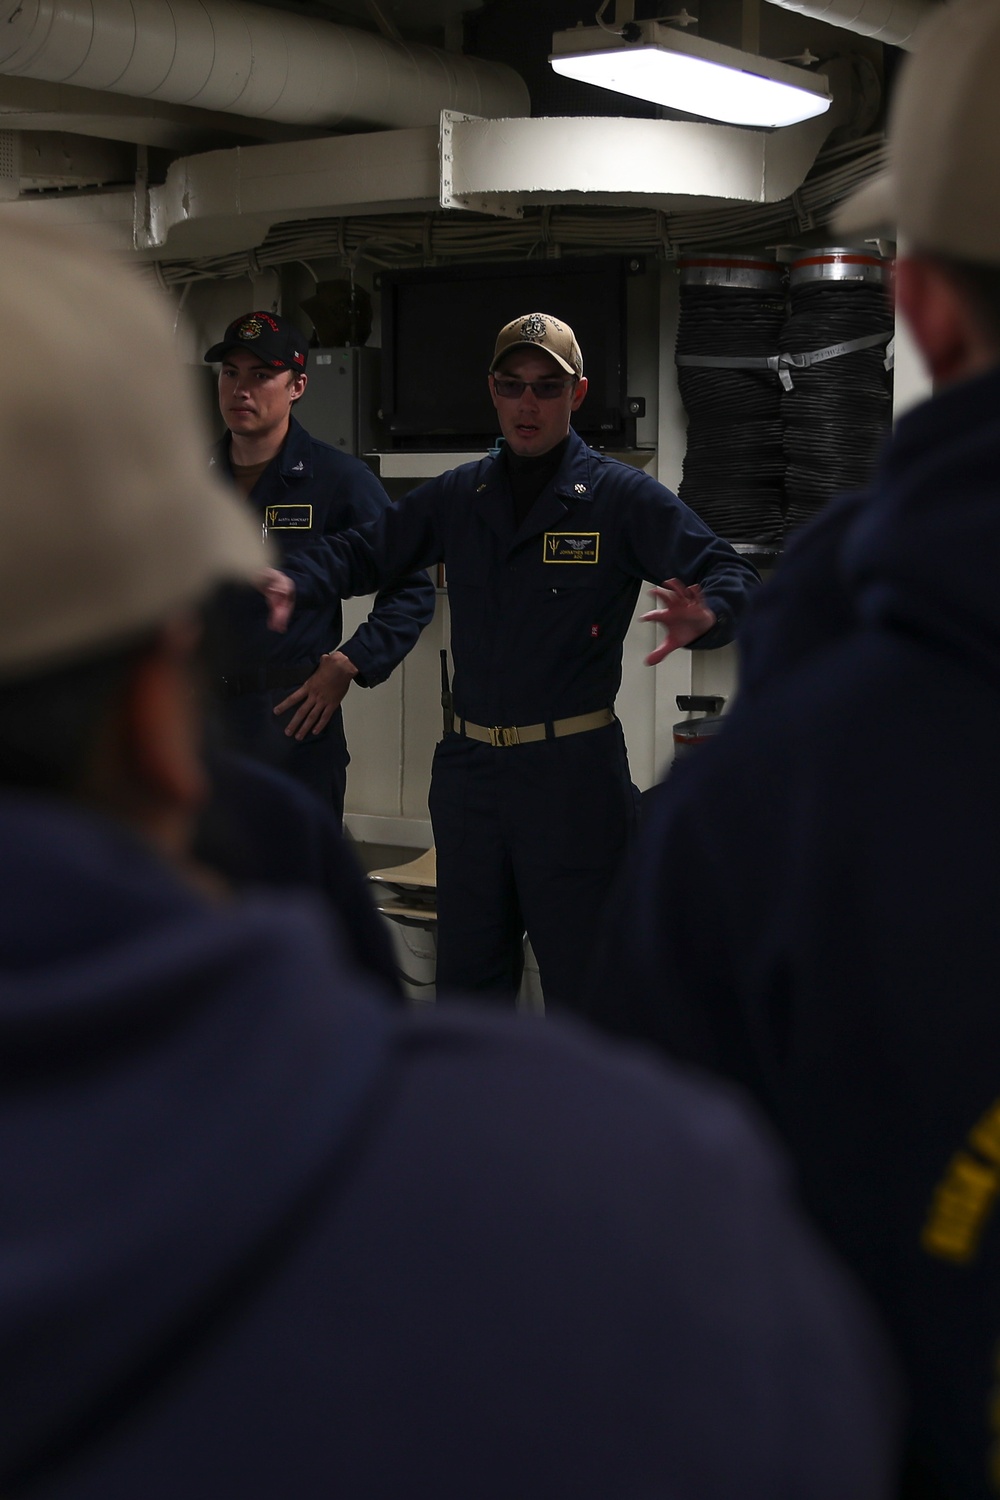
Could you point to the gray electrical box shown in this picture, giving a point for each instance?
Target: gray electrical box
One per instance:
(340, 405)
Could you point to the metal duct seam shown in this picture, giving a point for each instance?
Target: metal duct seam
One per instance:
(245, 59)
(892, 21)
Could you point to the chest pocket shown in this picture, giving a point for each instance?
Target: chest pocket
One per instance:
(568, 591)
(569, 587)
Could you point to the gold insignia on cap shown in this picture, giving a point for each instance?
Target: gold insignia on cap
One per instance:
(251, 329)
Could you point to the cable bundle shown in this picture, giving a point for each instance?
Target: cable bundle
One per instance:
(731, 317)
(388, 240)
(838, 410)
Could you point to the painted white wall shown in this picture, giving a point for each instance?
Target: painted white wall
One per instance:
(391, 732)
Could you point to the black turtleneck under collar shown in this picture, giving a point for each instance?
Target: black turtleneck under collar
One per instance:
(527, 477)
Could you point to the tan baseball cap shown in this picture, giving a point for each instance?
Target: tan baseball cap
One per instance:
(111, 519)
(540, 331)
(944, 142)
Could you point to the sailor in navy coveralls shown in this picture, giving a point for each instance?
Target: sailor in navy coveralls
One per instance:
(301, 489)
(546, 545)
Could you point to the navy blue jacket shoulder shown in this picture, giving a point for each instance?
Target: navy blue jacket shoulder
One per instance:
(812, 908)
(807, 604)
(540, 612)
(311, 490)
(264, 1235)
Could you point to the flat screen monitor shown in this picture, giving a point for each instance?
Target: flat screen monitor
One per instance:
(439, 326)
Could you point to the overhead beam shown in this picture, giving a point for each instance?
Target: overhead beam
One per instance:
(221, 202)
(669, 164)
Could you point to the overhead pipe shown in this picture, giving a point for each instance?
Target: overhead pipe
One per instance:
(247, 60)
(892, 21)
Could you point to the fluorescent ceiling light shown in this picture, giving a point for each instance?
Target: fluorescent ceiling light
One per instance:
(685, 72)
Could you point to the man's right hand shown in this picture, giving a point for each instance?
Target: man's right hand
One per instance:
(279, 591)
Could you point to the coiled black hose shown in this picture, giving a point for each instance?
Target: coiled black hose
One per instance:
(838, 412)
(734, 464)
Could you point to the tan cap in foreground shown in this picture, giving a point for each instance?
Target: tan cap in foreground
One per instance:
(540, 331)
(944, 141)
(111, 520)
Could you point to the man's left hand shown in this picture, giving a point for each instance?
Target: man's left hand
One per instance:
(684, 616)
(319, 697)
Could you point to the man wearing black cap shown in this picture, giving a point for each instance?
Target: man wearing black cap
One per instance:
(302, 489)
(546, 544)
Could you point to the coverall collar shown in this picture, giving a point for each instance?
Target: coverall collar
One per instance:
(294, 457)
(570, 486)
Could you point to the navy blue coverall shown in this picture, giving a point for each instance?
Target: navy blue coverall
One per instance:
(529, 836)
(308, 490)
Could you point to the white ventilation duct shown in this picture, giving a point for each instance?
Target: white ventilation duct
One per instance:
(892, 21)
(247, 60)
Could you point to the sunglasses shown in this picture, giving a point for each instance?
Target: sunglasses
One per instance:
(542, 390)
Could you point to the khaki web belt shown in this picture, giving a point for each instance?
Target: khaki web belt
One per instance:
(527, 734)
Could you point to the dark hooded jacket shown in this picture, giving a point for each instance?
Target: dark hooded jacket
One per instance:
(812, 909)
(264, 1235)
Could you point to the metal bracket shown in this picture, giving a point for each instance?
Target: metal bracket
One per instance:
(482, 203)
(142, 209)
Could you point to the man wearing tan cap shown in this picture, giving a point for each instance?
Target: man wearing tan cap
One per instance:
(546, 545)
(813, 908)
(262, 1234)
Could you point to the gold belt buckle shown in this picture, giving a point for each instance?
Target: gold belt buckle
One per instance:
(499, 736)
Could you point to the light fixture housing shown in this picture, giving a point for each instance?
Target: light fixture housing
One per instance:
(703, 78)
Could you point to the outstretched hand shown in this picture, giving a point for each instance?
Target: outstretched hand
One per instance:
(319, 697)
(279, 592)
(684, 616)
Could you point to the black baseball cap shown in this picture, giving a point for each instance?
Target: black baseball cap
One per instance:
(274, 341)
